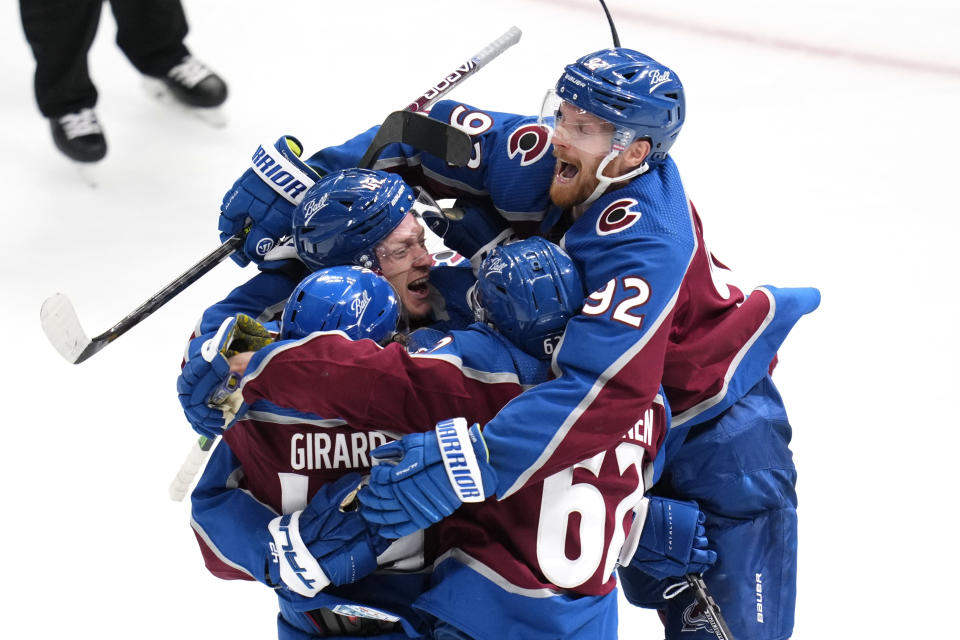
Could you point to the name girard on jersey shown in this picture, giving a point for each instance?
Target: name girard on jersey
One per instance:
(341, 451)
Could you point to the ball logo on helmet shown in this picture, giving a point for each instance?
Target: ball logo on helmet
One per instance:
(312, 207)
(494, 264)
(359, 305)
(657, 78)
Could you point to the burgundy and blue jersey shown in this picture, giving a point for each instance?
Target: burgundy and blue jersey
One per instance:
(655, 312)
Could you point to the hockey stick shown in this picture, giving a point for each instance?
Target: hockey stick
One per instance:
(405, 122)
(473, 64)
(59, 319)
(433, 136)
(199, 451)
(711, 610)
(64, 331)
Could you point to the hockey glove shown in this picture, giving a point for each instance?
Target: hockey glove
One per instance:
(424, 477)
(673, 542)
(206, 385)
(326, 543)
(264, 198)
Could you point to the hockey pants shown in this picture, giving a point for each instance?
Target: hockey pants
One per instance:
(740, 470)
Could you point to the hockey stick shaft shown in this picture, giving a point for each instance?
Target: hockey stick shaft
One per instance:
(59, 320)
(401, 121)
(63, 329)
(711, 610)
(469, 67)
(199, 451)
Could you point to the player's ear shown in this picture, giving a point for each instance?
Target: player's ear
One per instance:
(636, 153)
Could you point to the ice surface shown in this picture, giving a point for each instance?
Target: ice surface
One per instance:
(820, 148)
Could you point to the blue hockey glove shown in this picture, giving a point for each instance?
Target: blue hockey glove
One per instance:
(205, 384)
(673, 541)
(264, 198)
(326, 543)
(424, 477)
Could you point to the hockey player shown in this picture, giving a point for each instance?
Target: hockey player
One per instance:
(657, 312)
(351, 217)
(528, 290)
(267, 467)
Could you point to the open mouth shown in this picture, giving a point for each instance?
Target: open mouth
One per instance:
(419, 286)
(566, 171)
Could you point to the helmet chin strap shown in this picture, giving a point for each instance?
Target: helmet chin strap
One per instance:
(604, 182)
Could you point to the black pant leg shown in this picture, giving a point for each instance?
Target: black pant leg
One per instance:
(150, 33)
(60, 33)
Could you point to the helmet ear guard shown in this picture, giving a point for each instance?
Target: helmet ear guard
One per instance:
(528, 290)
(351, 299)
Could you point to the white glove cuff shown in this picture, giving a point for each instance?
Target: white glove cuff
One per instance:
(299, 570)
(287, 179)
(456, 451)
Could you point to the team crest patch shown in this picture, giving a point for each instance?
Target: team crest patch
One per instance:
(530, 141)
(694, 619)
(448, 258)
(618, 216)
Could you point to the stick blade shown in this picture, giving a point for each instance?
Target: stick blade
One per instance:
(426, 134)
(62, 326)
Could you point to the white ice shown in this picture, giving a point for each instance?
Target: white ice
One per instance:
(820, 148)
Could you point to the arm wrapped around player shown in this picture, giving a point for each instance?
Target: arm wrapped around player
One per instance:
(328, 542)
(206, 385)
(424, 477)
(264, 197)
(673, 542)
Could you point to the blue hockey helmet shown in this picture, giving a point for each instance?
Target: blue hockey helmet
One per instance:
(639, 96)
(346, 214)
(351, 299)
(528, 290)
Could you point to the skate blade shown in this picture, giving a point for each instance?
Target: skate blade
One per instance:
(156, 89)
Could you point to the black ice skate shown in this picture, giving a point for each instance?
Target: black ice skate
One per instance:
(79, 136)
(191, 84)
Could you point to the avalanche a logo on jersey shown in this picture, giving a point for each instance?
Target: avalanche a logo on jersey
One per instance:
(617, 216)
(447, 258)
(530, 141)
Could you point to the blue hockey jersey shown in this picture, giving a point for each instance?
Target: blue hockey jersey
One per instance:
(655, 312)
(515, 551)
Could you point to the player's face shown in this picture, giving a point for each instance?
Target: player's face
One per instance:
(405, 263)
(580, 142)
